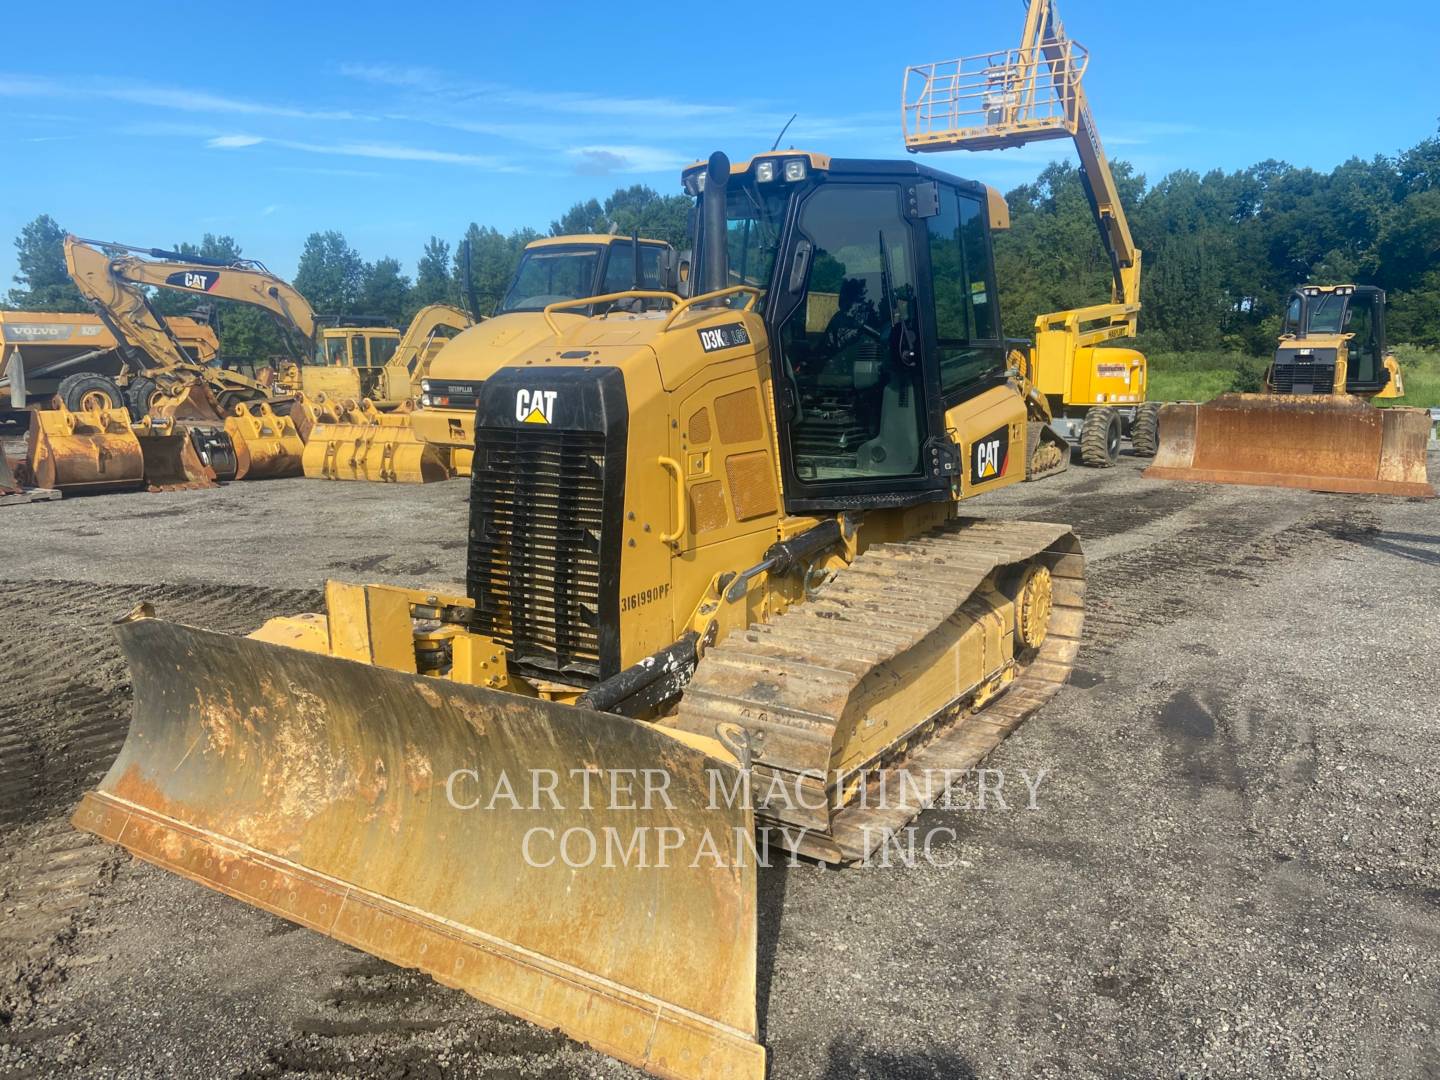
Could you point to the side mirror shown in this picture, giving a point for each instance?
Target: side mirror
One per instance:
(682, 273)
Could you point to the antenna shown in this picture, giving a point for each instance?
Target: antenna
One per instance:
(784, 129)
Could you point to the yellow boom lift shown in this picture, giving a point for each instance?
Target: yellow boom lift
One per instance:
(713, 540)
(1030, 94)
(1315, 426)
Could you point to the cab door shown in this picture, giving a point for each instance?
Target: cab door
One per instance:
(855, 382)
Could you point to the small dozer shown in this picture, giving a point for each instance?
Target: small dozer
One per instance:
(1315, 427)
(716, 581)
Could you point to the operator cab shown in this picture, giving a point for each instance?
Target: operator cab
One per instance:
(879, 298)
(1355, 313)
(572, 268)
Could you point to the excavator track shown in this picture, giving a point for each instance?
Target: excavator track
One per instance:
(796, 688)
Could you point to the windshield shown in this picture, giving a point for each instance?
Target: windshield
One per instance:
(1326, 313)
(550, 275)
(753, 222)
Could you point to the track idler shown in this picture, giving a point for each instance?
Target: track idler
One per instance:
(1317, 443)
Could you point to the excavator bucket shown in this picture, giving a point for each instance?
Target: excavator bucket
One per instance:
(267, 446)
(472, 834)
(171, 463)
(1315, 443)
(86, 451)
(368, 444)
(192, 401)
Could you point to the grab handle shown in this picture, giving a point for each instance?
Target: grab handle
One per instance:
(672, 466)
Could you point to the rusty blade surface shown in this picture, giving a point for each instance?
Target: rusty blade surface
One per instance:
(316, 788)
(82, 452)
(1315, 443)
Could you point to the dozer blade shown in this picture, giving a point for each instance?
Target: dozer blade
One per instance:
(90, 450)
(370, 805)
(1315, 443)
(171, 463)
(370, 445)
(267, 446)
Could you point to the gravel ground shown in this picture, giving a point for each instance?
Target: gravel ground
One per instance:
(1233, 866)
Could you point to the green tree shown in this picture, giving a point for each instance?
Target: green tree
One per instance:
(626, 211)
(331, 274)
(42, 281)
(385, 291)
(433, 281)
(493, 257)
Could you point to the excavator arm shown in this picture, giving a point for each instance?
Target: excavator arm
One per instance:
(420, 334)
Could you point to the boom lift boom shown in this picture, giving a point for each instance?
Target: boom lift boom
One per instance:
(1034, 93)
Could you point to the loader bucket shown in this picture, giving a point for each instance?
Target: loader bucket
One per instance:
(393, 812)
(215, 450)
(171, 463)
(1315, 443)
(370, 445)
(267, 446)
(86, 451)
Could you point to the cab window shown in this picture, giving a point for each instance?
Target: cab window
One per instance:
(620, 270)
(382, 349)
(551, 275)
(357, 350)
(335, 351)
(966, 323)
(849, 351)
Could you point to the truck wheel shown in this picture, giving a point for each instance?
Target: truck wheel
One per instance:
(86, 390)
(1100, 438)
(1145, 432)
(140, 396)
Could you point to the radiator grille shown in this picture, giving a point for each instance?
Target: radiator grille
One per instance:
(537, 512)
(1320, 376)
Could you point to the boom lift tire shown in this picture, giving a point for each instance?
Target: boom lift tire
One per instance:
(1100, 438)
(86, 390)
(1145, 432)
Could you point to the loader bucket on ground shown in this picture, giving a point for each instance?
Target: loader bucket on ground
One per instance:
(393, 812)
(1316, 443)
(90, 450)
(267, 446)
(370, 445)
(192, 401)
(171, 463)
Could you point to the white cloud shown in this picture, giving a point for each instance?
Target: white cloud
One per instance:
(159, 97)
(377, 150)
(230, 142)
(604, 160)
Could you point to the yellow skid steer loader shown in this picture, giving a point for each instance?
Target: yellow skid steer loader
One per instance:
(716, 581)
(1314, 427)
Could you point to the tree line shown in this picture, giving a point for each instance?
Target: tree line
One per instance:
(1222, 252)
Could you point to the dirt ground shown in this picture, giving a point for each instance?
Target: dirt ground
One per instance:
(1233, 867)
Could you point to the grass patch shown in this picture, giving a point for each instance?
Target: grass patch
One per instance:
(1200, 376)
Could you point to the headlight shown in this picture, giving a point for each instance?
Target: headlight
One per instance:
(796, 169)
(765, 172)
(424, 386)
(425, 401)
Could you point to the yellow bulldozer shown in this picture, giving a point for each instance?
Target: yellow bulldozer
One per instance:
(1314, 427)
(717, 582)
(552, 269)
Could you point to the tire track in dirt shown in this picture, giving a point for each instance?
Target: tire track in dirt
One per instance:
(64, 709)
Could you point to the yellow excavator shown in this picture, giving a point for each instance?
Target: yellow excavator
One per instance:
(551, 269)
(1015, 97)
(1314, 427)
(716, 580)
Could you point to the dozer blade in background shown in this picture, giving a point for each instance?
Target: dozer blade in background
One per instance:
(316, 788)
(86, 451)
(267, 446)
(171, 463)
(1315, 443)
(370, 445)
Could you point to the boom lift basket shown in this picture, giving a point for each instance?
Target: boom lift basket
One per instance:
(1315, 443)
(996, 100)
(90, 450)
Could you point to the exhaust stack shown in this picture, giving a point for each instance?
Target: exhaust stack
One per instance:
(717, 269)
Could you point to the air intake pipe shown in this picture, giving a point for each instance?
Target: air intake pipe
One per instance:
(716, 244)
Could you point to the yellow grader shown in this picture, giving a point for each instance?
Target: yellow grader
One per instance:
(715, 547)
(1314, 427)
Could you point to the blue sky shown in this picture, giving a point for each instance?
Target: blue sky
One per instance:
(152, 124)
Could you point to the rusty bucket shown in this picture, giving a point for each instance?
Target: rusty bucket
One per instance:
(267, 446)
(367, 444)
(86, 451)
(1338, 444)
(371, 805)
(171, 463)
